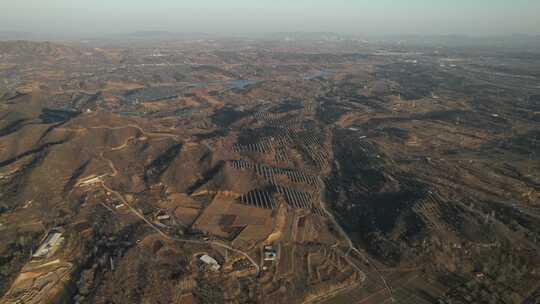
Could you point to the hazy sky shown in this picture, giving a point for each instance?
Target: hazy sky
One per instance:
(222, 16)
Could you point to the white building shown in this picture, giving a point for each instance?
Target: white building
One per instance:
(210, 261)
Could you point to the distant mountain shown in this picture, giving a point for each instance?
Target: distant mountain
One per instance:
(161, 35)
(37, 49)
(306, 36)
(33, 52)
(512, 41)
(14, 35)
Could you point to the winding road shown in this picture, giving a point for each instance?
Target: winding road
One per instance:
(118, 195)
(350, 243)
